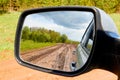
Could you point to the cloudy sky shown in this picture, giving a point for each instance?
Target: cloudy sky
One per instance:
(71, 23)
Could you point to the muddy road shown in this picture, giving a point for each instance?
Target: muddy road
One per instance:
(57, 57)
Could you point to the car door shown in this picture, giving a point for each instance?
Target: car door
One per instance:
(85, 46)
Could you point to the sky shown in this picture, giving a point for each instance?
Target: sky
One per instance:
(71, 23)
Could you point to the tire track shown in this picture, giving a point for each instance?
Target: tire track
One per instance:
(57, 57)
(31, 56)
(60, 60)
(64, 59)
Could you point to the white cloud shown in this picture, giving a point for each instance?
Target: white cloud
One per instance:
(63, 24)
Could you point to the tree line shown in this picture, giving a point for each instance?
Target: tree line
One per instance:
(110, 6)
(43, 35)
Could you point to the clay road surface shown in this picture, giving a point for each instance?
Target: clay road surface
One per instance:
(57, 57)
(11, 70)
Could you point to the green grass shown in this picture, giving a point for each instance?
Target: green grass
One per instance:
(116, 19)
(31, 45)
(8, 23)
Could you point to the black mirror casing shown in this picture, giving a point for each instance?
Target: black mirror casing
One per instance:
(18, 35)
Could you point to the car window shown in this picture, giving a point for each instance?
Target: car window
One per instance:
(87, 40)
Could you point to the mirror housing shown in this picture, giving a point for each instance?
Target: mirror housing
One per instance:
(97, 57)
(41, 10)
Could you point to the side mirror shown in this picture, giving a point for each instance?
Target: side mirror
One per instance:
(56, 40)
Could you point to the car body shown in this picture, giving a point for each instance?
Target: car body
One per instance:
(84, 47)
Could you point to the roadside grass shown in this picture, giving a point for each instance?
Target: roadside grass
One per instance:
(116, 19)
(8, 23)
(31, 45)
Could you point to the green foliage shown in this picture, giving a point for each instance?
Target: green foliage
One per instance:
(3, 6)
(8, 23)
(20, 5)
(43, 35)
(116, 19)
(54, 36)
(9, 5)
(72, 42)
(31, 45)
(26, 32)
(109, 6)
(63, 38)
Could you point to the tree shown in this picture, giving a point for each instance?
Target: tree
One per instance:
(3, 6)
(63, 38)
(15, 5)
(25, 33)
(34, 36)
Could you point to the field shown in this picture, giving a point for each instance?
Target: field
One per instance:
(8, 23)
(116, 19)
(30, 45)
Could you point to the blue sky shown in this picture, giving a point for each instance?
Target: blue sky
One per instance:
(71, 23)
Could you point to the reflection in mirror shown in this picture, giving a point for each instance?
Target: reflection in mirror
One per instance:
(57, 40)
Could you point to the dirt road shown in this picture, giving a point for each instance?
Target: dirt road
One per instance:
(11, 70)
(57, 57)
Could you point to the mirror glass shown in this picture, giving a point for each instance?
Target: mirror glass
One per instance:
(57, 40)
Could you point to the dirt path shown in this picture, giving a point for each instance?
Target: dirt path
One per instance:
(11, 70)
(33, 55)
(57, 57)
